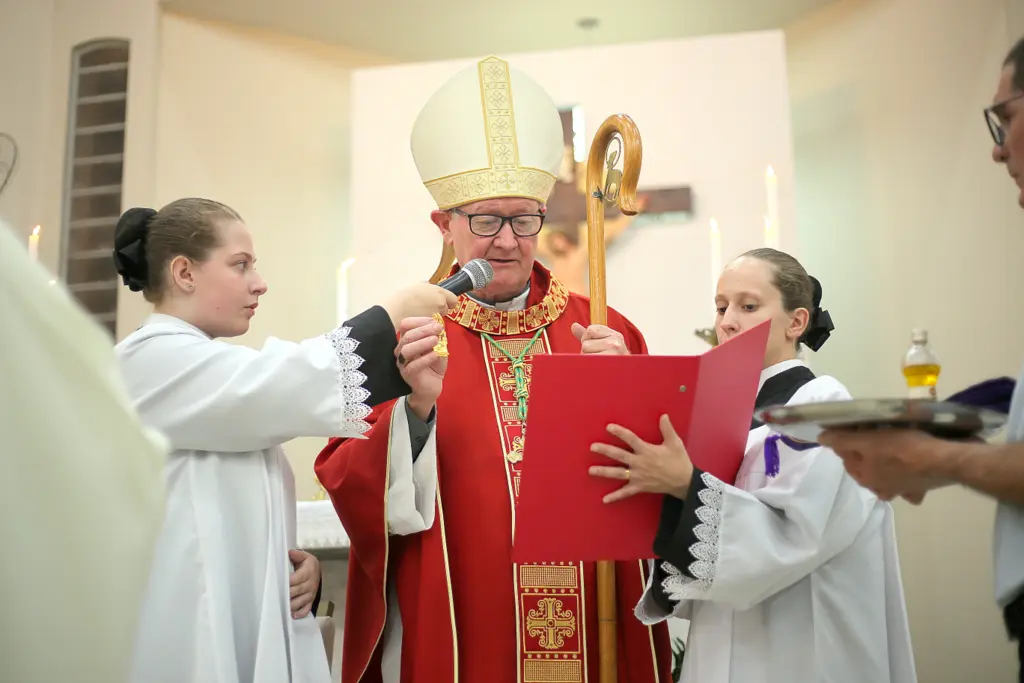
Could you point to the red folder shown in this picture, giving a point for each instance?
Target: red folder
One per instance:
(709, 398)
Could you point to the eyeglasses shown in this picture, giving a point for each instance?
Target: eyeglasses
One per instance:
(489, 224)
(994, 116)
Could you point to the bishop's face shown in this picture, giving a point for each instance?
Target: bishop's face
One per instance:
(1009, 111)
(510, 255)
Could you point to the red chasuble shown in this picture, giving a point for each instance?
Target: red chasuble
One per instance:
(469, 614)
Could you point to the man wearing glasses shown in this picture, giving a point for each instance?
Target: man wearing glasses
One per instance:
(909, 463)
(429, 497)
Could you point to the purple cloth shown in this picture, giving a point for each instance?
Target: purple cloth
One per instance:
(993, 394)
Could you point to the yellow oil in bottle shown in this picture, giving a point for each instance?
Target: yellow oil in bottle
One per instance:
(921, 367)
(922, 375)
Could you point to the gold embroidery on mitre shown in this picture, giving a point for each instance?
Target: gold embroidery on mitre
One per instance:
(499, 118)
(473, 316)
(504, 177)
(477, 185)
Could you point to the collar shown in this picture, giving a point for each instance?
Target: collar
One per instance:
(542, 303)
(517, 303)
(773, 370)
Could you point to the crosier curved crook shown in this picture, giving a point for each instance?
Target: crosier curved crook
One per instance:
(632, 157)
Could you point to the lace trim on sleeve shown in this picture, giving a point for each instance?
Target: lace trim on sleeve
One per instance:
(679, 586)
(350, 381)
(654, 615)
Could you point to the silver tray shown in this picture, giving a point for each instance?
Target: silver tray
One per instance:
(942, 419)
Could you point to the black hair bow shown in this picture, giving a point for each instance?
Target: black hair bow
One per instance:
(820, 326)
(130, 247)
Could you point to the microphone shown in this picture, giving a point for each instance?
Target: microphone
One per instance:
(475, 275)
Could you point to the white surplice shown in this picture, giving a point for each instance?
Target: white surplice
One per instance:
(217, 608)
(795, 578)
(81, 494)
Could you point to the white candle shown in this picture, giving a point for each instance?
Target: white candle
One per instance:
(716, 257)
(33, 244)
(772, 220)
(342, 290)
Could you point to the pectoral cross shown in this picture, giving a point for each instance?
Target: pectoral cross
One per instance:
(563, 245)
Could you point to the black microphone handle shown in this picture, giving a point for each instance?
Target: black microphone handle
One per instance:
(458, 284)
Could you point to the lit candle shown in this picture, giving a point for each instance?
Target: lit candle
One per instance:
(33, 244)
(772, 220)
(716, 257)
(342, 290)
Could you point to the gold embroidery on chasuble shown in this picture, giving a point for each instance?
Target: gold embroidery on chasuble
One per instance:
(550, 597)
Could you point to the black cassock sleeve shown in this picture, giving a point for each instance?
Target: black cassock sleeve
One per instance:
(676, 535)
(418, 430)
(377, 342)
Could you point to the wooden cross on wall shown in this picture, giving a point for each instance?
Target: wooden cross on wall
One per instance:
(563, 243)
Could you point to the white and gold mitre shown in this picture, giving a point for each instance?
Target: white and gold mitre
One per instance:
(490, 131)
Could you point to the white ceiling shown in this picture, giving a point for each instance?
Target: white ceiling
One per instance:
(417, 30)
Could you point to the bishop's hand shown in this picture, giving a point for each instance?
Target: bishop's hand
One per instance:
(600, 339)
(421, 368)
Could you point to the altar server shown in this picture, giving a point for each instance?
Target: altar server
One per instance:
(792, 573)
(81, 495)
(217, 609)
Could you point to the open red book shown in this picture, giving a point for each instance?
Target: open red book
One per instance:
(573, 398)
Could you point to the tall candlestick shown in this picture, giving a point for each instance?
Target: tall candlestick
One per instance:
(342, 290)
(33, 244)
(772, 201)
(716, 257)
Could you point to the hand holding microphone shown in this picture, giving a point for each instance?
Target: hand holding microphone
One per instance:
(421, 365)
(425, 300)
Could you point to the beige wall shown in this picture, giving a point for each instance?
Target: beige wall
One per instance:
(36, 41)
(907, 220)
(25, 50)
(1015, 16)
(260, 122)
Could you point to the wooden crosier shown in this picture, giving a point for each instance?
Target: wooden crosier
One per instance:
(620, 187)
